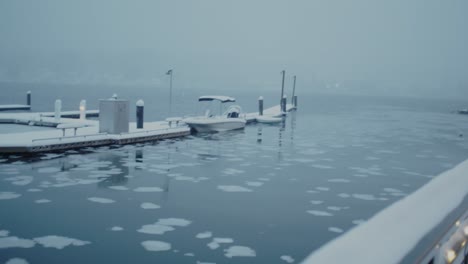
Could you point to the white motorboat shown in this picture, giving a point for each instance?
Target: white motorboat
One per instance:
(231, 119)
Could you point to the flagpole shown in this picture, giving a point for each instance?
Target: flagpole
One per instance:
(170, 97)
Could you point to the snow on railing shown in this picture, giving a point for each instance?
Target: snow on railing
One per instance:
(393, 233)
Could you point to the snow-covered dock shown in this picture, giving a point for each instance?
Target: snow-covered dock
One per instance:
(274, 111)
(46, 118)
(54, 140)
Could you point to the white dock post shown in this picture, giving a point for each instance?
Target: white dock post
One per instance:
(140, 105)
(28, 98)
(58, 108)
(260, 105)
(83, 110)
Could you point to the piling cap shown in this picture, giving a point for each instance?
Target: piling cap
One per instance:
(29, 92)
(83, 102)
(114, 96)
(140, 103)
(284, 96)
(260, 98)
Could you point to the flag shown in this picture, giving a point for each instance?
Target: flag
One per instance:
(169, 72)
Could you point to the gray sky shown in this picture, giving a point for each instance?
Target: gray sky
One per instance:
(399, 47)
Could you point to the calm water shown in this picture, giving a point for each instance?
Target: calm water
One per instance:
(267, 194)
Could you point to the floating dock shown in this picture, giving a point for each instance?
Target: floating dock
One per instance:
(12, 107)
(274, 111)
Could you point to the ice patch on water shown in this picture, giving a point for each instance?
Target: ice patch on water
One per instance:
(148, 189)
(287, 258)
(59, 242)
(213, 245)
(239, 251)
(231, 171)
(118, 188)
(334, 208)
(219, 240)
(41, 201)
(367, 197)
(174, 222)
(20, 180)
(48, 170)
(318, 166)
(4, 233)
(117, 228)
(149, 206)
(312, 191)
(101, 200)
(316, 202)
(155, 229)
(254, 184)
(189, 179)
(13, 242)
(322, 188)
(9, 195)
(264, 179)
(189, 254)
(392, 190)
(339, 180)
(199, 262)
(16, 261)
(344, 195)
(335, 229)
(204, 235)
(233, 188)
(34, 190)
(153, 245)
(319, 213)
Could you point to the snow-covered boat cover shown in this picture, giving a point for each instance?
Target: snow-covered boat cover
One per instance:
(222, 98)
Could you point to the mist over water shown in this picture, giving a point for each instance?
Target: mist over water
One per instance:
(416, 48)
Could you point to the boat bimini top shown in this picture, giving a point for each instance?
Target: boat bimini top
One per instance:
(221, 98)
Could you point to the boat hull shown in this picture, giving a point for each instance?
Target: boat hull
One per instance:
(215, 125)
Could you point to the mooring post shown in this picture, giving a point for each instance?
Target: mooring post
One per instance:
(295, 101)
(140, 105)
(28, 98)
(83, 110)
(58, 108)
(260, 105)
(283, 104)
(282, 90)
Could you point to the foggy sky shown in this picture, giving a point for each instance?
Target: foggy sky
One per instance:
(398, 47)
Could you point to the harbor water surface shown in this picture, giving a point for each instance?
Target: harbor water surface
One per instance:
(265, 194)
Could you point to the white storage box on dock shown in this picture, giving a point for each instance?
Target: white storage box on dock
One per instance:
(114, 116)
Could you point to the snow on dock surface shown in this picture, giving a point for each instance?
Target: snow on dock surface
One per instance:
(392, 233)
(274, 111)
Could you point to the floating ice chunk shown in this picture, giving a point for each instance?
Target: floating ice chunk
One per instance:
(149, 206)
(4, 233)
(148, 189)
(318, 166)
(204, 235)
(335, 229)
(199, 262)
(312, 191)
(48, 170)
(174, 222)
(20, 180)
(392, 190)
(358, 221)
(323, 188)
(9, 195)
(239, 251)
(155, 229)
(189, 254)
(117, 228)
(319, 213)
(339, 180)
(59, 242)
(367, 197)
(287, 258)
(101, 200)
(118, 188)
(254, 184)
(334, 208)
(344, 195)
(41, 201)
(233, 188)
(153, 245)
(316, 202)
(12, 242)
(16, 261)
(223, 240)
(34, 190)
(213, 245)
(231, 171)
